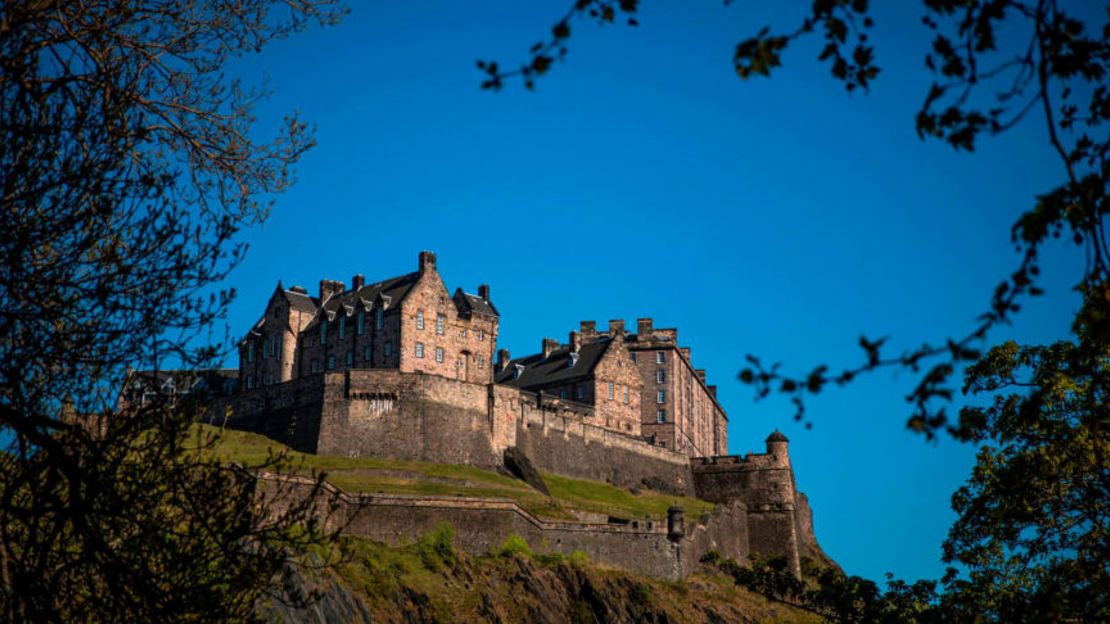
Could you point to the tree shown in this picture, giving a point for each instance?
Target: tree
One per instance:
(1032, 527)
(127, 166)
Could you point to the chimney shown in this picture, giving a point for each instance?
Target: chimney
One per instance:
(358, 281)
(712, 391)
(329, 288)
(643, 327)
(575, 342)
(502, 359)
(616, 327)
(549, 345)
(427, 261)
(685, 353)
(701, 374)
(483, 291)
(588, 329)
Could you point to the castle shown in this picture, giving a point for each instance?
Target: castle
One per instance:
(402, 368)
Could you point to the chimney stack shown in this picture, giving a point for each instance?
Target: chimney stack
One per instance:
(427, 262)
(329, 288)
(701, 374)
(643, 327)
(549, 345)
(616, 328)
(685, 353)
(358, 281)
(712, 391)
(502, 359)
(575, 342)
(483, 291)
(588, 329)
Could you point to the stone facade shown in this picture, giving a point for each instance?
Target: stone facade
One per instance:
(679, 410)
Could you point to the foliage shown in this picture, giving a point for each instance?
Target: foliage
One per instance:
(127, 166)
(1034, 517)
(437, 548)
(513, 545)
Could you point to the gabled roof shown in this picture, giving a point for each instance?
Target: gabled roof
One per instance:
(301, 301)
(391, 291)
(540, 371)
(474, 304)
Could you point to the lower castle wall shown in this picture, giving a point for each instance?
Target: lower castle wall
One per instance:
(482, 525)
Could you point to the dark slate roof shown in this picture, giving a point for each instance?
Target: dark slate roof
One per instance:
(540, 372)
(393, 290)
(216, 378)
(777, 436)
(301, 301)
(480, 305)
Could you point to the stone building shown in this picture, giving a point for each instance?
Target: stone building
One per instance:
(679, 410)
(409, 323)
(597, 372)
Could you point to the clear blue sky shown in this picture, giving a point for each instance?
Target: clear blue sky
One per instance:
(777, 217)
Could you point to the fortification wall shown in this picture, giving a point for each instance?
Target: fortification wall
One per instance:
(765, 483)
(288, 413)
(558, 439)
(407, 416)
(482, 524)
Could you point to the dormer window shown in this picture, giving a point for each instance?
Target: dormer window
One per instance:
(518, 370)
(572, 359)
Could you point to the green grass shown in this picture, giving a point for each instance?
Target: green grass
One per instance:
(395, 476)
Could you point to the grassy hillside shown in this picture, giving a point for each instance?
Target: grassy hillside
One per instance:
(373, 474)
(430, 581)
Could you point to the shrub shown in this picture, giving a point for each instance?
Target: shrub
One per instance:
(578, 558)
(437, 548)
(514, 545)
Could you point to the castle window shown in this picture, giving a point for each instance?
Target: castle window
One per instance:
(315, 367)
(660, 376)
(250, 382)
(441, 321)
(580, 393)
(661, 396)
(481, 361)
(625, 394)
(481, 334)
(331, 362)
(439, 354)
(265, 348)
(633, 355)
(368, 353)
(420, 349)
(378, 318)
(360, 322)
(660, 357)
(420, 319)
(464, 333)
(610, 391)
(563, 393)
(388, 348)
(250, 352)
(661, 416)
(268, 379)
(342, 327)
(276, 349)
(323, 330)
(350, 358)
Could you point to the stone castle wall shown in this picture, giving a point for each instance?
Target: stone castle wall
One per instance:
(481, 525)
